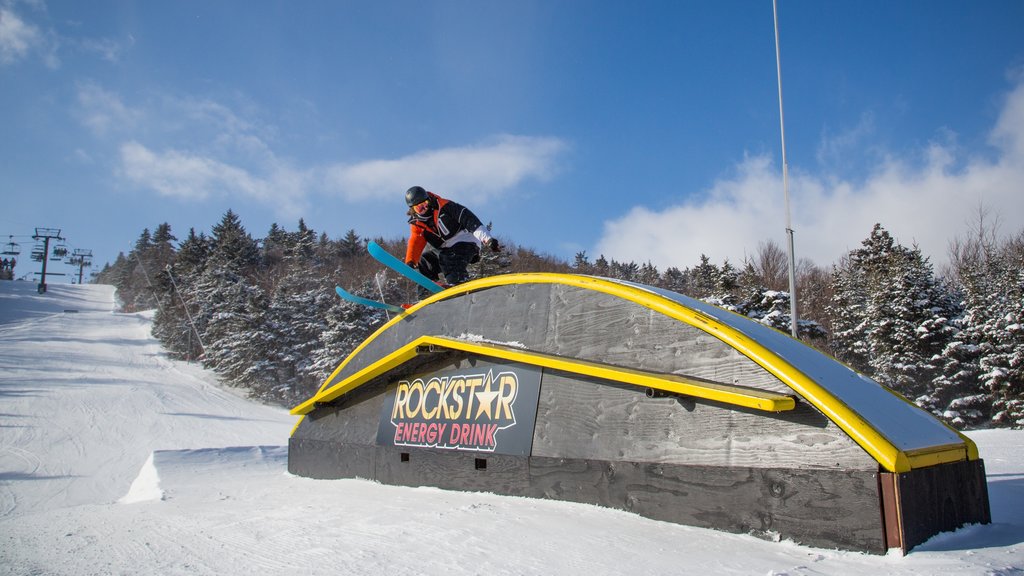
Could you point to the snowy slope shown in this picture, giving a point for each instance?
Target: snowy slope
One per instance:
(116, 460)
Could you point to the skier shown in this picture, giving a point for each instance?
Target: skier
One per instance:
(444, 237)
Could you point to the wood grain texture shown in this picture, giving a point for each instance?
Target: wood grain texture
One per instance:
(585, 418)
(326, 460)
(941, 499)
(818, 508)
(453, 470)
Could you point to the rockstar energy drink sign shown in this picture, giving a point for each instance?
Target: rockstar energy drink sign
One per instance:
(489, 407)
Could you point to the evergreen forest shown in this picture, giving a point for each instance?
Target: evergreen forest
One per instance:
(263, 314)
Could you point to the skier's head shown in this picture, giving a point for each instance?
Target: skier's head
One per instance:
(416, 195)
(418, 200)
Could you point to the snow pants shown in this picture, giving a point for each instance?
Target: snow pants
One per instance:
(453, 262)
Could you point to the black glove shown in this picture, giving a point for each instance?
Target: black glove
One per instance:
(411, 265)
(493, 245)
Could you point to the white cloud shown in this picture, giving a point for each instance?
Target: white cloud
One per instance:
(103, 111)
(472, 173)
(193, 177)
(17, 37)
(927, 202)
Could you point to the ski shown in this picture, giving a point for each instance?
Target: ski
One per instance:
(345, 295)
(385, 258)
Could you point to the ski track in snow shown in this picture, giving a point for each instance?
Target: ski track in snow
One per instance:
(117, 460)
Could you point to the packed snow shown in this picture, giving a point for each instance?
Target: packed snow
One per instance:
(115, 459)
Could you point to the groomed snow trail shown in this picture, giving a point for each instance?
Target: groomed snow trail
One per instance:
(88, 395)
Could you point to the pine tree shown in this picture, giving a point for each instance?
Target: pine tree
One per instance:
(998, 315)
(232, 246)
(675, 280)
(352, 245)
(580, 264)
(893, 319)
(348, 324)
(705, 278)
(847, 314)
(648, 274)
(231, 309)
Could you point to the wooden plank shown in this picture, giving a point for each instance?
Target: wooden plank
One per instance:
(353, 419)
(330, 460)
(891, 511)
(586, 418)
(813, 507)
(603, 328)
(453, 470)
(941, 499)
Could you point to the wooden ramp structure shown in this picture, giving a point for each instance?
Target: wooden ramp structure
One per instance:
(599, 391)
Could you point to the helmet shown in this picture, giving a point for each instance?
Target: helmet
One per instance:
(415, 195)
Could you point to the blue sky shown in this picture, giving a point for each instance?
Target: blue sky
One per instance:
(645, 131)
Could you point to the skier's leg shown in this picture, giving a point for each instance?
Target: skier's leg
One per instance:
(430, 263)
(429, 266)
(456, 259)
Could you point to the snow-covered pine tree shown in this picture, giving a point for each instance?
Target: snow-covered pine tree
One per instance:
(675, 280)
(997, 314)
(847, 313)
(892, 318)
(293, 322)
(648, 274)
(172, 324)
(704, 278)
(352, 245)
(348, 324)
(230, 305)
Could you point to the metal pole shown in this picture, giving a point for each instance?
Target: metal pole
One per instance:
(785, 181)
(46, 256)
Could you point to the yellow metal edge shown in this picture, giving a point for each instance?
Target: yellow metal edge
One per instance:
(935, 455)
(296, 426)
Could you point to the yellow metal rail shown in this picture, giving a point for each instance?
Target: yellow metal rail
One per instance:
(725, 393)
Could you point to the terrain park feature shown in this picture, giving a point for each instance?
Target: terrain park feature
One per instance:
(600, 391)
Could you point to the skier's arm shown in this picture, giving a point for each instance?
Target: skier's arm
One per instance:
(469, 221)
(414, 249)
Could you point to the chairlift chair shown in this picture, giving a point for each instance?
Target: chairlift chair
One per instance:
(59, 251)
(39, 252)
(12, 248)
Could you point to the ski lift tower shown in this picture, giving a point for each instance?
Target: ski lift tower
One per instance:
(82, 259)
(45, 235)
